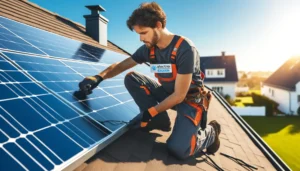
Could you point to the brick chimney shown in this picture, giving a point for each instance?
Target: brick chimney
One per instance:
(223, 53)
(96, 24)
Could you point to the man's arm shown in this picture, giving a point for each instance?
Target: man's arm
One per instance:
(182, 84)
(117, 68)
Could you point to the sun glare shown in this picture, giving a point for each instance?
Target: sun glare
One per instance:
(284, 37)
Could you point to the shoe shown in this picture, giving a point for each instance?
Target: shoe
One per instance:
(214, 147)
(160, 122)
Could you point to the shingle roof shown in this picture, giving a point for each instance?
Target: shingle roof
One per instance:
(31, 14)
(213, 62)
(286, 76)
(136, 150)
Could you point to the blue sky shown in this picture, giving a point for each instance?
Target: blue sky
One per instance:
(262, 34)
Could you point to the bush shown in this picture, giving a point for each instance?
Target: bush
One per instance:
(229, 100)
(238, 100)
(243, 94)
(298, 111)
(271, 106)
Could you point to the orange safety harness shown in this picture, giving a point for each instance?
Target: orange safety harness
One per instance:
(173, 62)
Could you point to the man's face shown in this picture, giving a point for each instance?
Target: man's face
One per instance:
(148, 35)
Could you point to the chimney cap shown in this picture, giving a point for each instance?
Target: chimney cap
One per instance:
(223, 53)
(95, 8)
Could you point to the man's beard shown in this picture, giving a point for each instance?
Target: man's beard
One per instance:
(153, 41)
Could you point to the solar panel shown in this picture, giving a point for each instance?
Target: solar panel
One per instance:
(8, 40)
(42, 125)
(56, 45)
(34, 116)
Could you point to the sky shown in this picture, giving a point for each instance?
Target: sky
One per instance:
(262, 34)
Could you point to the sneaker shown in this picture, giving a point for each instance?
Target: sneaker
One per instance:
(214, 147)
(160, 122)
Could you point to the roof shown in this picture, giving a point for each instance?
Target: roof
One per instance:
(286, 76)
(136, 150)
(217, 62)
(28, 13)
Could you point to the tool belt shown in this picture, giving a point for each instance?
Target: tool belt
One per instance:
(202, 98)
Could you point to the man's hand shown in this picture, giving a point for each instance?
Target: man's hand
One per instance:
(89, 83)
(147, 116)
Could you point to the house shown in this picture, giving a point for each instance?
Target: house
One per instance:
(119, 149)
(220, 73)
(283, 86)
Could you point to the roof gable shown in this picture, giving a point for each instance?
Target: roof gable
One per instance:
(287, 76)
(218, 62)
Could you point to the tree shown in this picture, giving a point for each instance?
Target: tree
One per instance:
(229, 100)
(298, 111)
(244, 76)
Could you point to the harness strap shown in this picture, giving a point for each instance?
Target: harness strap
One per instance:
(173, 58)
(177, 45)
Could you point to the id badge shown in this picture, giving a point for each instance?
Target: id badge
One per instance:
(161, 68)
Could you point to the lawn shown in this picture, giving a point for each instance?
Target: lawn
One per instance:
(243, 100)
(254, 91)
(282, 134)
(246, 100)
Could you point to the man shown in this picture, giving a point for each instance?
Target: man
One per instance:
(176, 64)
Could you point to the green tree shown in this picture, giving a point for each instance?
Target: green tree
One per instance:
(229, 100)
(244, 76)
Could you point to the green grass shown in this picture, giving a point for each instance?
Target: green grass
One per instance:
(246, 100)
(243, 100)
(282, 134)
(239, 104)
(255, 91)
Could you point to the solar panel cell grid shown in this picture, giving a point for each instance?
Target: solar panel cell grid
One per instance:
(42, 125)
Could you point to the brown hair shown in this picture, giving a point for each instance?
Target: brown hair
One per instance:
(147, 15)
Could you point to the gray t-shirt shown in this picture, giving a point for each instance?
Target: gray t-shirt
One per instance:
(187, 60)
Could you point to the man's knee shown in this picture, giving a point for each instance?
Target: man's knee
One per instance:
(128, 79)
(177, 150)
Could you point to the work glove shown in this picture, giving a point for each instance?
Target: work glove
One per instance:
(89, 83)
(147, 116)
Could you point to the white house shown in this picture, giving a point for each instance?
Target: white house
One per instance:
(220, 73)
(283, 86)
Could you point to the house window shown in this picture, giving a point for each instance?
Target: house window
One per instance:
(298, 98)
(215, 73)
(218, 89)
(209, 72)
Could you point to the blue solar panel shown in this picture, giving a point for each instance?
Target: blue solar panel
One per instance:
(8, 40)
(62, 78)
(55, 45)
(34, 112)
(37, 104)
